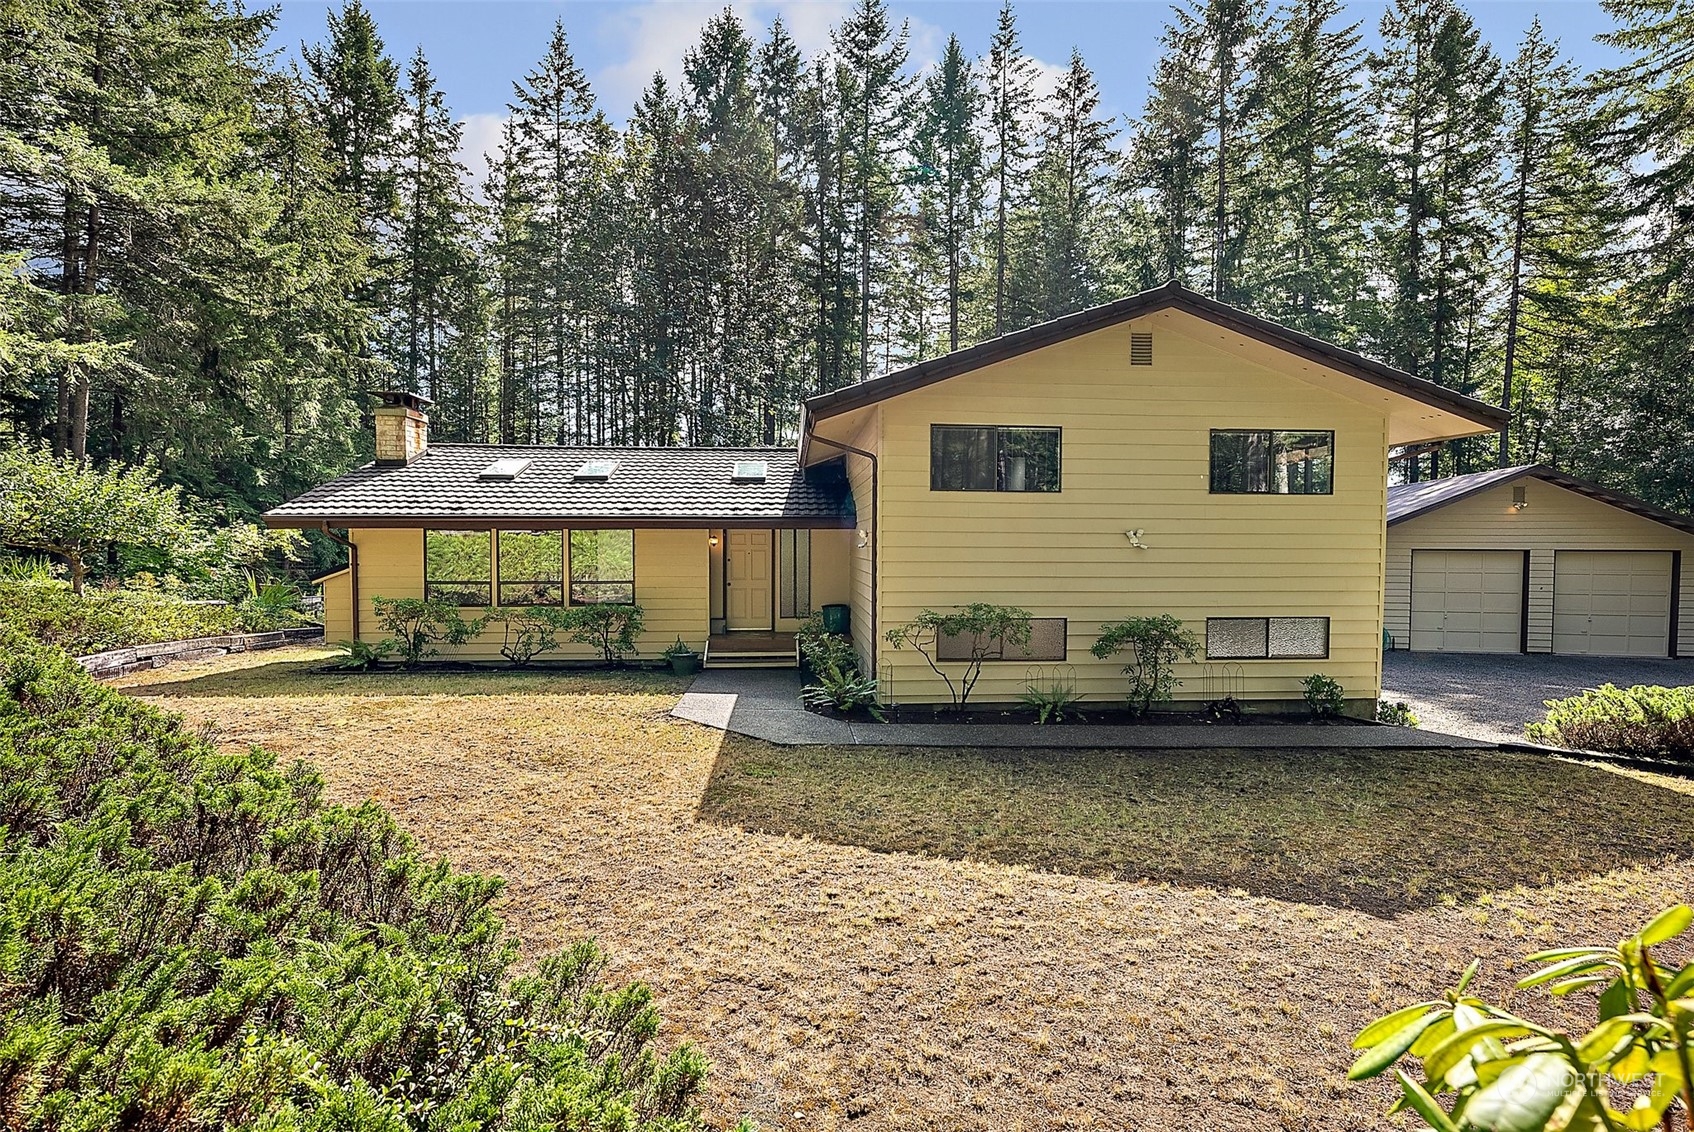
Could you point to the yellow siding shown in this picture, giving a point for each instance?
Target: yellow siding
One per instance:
(1135, 455)
(338, 600)
(1556, 519)
(671, 586)
(832, 568)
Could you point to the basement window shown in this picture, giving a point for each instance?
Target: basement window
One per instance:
(993, 458)
(459, 567)
(596, 471)
(532, 567)
(1267, 638)
(1271, 462)
(603, 567)
(749, 471)
(1047, 637)
(503, 469)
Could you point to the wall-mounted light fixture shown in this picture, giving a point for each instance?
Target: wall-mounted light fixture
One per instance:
(714, 540)
(864, 539)
(1134, 538)
(1520, 498)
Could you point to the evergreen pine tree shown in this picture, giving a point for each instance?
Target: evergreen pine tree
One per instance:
(950, 167)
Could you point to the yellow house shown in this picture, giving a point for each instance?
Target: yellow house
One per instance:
(1160, 454)
(1530, 560)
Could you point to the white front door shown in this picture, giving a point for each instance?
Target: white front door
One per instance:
(747, 580)
(1611, 602)
(1467, 600)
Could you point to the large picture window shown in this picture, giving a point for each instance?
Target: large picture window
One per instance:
(532, 567)
(1270, 462)
(459, 567)
(602, 567)
(1267, 638)
(993, 458)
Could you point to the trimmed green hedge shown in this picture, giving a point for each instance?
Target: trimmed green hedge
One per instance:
(191, 939)
(1643, 721)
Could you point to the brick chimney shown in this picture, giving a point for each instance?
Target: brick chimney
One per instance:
(402, 429)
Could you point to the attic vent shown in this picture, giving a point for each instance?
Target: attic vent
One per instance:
(596, 471)
(1140, 349)
(749, 471)
(506, 469)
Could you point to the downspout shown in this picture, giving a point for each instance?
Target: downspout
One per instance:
(352, 569)
(876, 546)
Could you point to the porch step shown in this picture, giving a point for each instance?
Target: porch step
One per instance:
(749, 658)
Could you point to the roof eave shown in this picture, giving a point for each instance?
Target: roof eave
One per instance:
(532, 522)
(1018, 343)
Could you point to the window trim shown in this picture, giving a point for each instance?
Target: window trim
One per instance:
(570, 570)
(1211, 442)
(1268, 655)
(499, 561)
(490, 584)
(1058, 459)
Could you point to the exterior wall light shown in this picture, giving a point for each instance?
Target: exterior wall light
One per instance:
(1134, 538)
(1520, 498)
(714, 540)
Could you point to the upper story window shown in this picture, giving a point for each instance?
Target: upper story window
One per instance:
(1270, 462)
(993, 458)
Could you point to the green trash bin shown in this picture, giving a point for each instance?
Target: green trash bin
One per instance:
(838, 619)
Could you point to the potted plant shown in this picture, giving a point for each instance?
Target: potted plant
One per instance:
(684, 661)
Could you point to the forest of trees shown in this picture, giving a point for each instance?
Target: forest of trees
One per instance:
(216, 255)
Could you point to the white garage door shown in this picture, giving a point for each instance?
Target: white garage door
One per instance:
(1611, 602)
(1467, 600)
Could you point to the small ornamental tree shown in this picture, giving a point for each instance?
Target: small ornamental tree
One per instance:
(79, 512)
(1487, 1069)
(416, 623)
(611, 628)
(987, 629)
(1154, 644)
(533, 630)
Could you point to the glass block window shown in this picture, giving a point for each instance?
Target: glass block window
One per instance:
(993, 458)
(459, 566)
(1267, 638)
(532, 567)
(603, 567)
(794, 554)
(1268, 462)
(1047, 636)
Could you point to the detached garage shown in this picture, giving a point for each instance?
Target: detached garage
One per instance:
(1531, 560)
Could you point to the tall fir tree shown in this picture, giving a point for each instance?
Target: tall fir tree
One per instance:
(948, 150)
(1010, 81)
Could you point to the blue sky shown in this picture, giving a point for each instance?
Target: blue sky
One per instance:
(479, 47)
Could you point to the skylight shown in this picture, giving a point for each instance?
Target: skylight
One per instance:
(749, 471)
(596, 471)
(504, 469)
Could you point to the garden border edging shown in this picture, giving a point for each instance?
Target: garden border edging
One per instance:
(140, 658)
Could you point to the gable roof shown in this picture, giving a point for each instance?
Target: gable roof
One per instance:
(648, 487)
(1171, 295)
(1410, 500)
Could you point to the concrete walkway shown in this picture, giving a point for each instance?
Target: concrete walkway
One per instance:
(764, 703)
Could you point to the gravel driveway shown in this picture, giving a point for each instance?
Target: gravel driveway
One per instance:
(1492, 697)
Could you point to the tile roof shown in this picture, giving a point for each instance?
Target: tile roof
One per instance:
(649, 487)
(1409, 500)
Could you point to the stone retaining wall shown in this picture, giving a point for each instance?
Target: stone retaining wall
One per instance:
(139, 658)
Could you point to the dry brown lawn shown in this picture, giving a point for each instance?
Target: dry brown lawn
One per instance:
(959, 940)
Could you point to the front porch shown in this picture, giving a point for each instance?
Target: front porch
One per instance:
(751, 649)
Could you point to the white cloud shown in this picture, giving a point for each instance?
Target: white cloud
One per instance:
(652, 36)
(480, 142)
